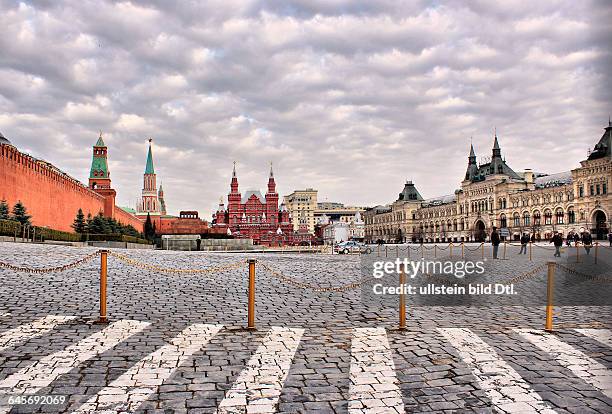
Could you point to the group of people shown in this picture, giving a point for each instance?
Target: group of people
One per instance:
(585, 238)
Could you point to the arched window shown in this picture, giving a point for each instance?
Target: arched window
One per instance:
(559, 216)
(571, 215)
(548, 217)
(537, 218)
(526, 218)
(517, 220)
(503, 222)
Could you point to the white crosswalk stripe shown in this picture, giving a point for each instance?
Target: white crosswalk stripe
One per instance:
(578, 362)
(503, 385)
(30, 330)
(600, 335)
(259, 385)
(132, 388)
(373, 386)
(33, 378)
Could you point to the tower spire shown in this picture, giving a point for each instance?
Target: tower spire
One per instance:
(234, 183)
(149, 168)
(271, 172)
(472, 168)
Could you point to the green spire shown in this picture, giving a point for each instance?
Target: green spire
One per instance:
(100, 142)
(150, 169)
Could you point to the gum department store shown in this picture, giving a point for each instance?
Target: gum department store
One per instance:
(492, 194)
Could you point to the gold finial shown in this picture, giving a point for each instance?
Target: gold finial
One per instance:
(150, 140)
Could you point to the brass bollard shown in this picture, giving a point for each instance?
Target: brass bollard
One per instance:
(549, 296)
(435, 251)
(505, 245)
(251, 309)
(482, 250)
(422, 251)
(462, 247)
(402, 298)
(103, 274)
(377, 251)
(386, 250)
(596, 246)
(397, 251)
(450, 247)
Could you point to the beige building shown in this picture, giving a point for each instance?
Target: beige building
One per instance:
(492, 194)
(336, 212)
(301, 205)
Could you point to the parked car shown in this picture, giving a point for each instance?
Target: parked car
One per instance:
(350, 246)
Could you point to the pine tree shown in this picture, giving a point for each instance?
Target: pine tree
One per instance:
(20, 214)
(4, 210)
(88, 223)
(149, 230)
(79, 222)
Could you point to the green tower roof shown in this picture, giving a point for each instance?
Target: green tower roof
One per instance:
(149, 169)
(99, 164)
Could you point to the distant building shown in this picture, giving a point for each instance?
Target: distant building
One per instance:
(336, 212)
(339, 231)
(257, 217)
(492, 194)
(301, 205)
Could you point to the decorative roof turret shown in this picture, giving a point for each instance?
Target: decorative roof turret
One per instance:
(271, 182)
(472, 168)
(603, 148)
(234, 183)
(409, 193)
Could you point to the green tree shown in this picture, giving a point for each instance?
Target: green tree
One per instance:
(79, 224)
(4, 210)
(149, 228)
(20, 214)
(88, 223)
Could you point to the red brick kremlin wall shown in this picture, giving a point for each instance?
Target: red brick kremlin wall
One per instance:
(51, 197)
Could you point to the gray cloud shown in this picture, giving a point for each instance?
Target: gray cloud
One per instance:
(348, 98)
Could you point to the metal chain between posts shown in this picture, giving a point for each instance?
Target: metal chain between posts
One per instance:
(302, 285)
(526, 275)
(62, 268)
(147, 266)
(475, 249)
(603, 279)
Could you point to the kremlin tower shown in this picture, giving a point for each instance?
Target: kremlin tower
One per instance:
(99, 177)
(149, 203)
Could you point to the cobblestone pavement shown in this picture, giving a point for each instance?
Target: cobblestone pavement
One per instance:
(176, 341)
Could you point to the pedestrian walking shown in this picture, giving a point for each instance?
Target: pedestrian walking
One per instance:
(524, 242)
(610, 238)
(587, 241)
(558, 241)
(495, 241)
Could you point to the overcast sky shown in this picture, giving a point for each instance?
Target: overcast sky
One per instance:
(350, 98)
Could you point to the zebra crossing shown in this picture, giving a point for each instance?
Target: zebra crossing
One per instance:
(373, 381)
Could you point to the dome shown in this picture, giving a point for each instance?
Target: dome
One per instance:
(3, 140)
